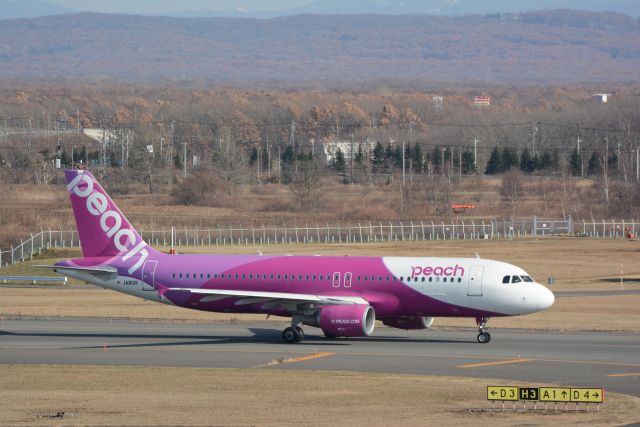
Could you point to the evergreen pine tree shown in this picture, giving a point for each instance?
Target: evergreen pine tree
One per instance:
(338, 161)
(436, 159)
(253, 156)
(527, 163)
(494, 165)
(575, 163)
(555, 160)
(545, 160)
(359, 157)
(593, 167)
(378, 154)
(417, 159)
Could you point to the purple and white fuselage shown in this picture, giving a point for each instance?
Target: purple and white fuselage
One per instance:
(342, 295)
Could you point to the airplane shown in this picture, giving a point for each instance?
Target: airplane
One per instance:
(341, 295)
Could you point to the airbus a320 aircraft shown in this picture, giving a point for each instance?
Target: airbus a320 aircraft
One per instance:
(341, 295)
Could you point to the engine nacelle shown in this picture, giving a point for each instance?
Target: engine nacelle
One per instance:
(357, 320)
(407, 323)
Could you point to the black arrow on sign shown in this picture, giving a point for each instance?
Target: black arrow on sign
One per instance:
(564, 394)
(493, 392)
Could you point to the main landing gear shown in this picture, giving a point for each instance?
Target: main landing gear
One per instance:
(483, 336)
(294, 333)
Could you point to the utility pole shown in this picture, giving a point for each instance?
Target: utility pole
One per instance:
(185, 159)
(460, 164)
(533, 140)
(475, 156)
(580, 154)
(403, 163)
(29, 140)
(638, 165)
(352, 159)
(443, 151)
(173, 126)
(412, 148)
(293, 136)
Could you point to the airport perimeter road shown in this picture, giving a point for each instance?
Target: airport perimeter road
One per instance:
(565, 358)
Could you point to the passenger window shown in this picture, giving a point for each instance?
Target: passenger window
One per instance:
(365, 278)
(181, 275)
(423, 279)
(215, 276)
(431, 279)
(208, 275)
(236, 276)
(358, 278)
(402, 278)
(187, 275)
(314, 277)
(516, 279)
(506, 279)
(174, 275)
(459, 279)
(278, 277)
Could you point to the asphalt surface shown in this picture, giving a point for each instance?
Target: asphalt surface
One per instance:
(611, 360)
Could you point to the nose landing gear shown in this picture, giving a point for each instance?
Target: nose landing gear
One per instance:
(483, 336)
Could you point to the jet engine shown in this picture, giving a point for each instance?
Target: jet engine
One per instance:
(357, 320)
(407, 323)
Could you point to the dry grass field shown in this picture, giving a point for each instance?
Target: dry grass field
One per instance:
(577, 265)
(101, 395)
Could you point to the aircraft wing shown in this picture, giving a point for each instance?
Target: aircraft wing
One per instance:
(270, 299)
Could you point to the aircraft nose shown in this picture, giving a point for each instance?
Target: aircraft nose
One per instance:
(544, 297)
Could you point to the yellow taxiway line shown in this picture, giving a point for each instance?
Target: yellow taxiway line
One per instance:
(634, 374)
(310, 357)
(500, 362)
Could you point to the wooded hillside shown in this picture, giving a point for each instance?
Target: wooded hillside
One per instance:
(531, 47)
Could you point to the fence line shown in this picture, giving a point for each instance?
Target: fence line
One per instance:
(362, 232)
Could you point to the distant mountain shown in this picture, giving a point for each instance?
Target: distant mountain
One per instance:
(463, 7)
(17, 9)
(548, 46)
(12, 9)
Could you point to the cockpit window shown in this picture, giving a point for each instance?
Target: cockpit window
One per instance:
(506, 279)
(516, 279)
(527, 279)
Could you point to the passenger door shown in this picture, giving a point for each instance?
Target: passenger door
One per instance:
(475, 281)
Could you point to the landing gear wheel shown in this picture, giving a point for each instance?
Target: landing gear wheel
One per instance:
(484, 337)
(299, 334)
(289, 335)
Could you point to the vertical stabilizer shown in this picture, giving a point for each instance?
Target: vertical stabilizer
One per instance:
(104, 231)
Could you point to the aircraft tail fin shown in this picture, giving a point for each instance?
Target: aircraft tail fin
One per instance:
(104, 231)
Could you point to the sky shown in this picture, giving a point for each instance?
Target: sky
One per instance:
(159, 6)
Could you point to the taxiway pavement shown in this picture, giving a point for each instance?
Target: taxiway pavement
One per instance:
(590, 359)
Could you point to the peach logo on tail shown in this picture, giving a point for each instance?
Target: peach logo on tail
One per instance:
(97, 204)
